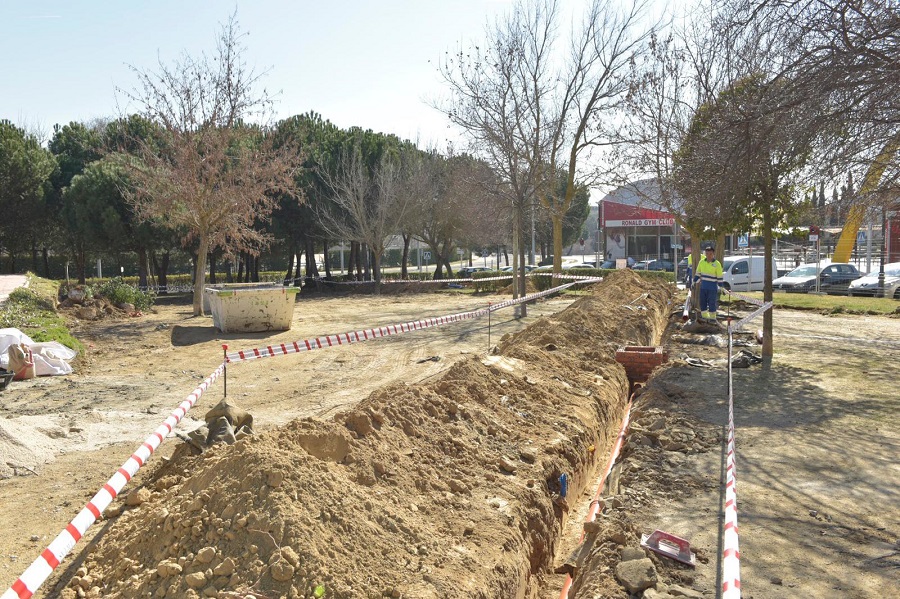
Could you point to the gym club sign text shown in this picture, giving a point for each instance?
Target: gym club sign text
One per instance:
(642, 222)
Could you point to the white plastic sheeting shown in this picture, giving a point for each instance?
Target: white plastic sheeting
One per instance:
(50, 357)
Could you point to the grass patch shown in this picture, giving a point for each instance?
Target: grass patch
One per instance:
(32, 310)
(831, 304)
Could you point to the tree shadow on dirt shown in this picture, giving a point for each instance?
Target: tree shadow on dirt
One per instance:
(810, 455)
(185, 335)
(778, 398)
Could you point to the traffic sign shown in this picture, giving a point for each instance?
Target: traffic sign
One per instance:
(459, 251)
(813, 237)
(426, 254)
(861, 237)
(677, 246)
(744, 240)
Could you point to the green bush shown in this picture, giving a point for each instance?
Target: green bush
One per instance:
(491, 286)
(117, 292)
(34, 314)
(543, 279)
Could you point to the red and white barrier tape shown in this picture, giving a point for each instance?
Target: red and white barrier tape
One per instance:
(739, 323)
(594, 508)
(327, 341)
(463, 280)
(38, 572)
(392, 281)
(747, 298)
(731, 556)
(388, 281)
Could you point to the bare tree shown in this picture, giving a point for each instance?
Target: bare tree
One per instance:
(532, 111)
(369, 204)
(215, 175)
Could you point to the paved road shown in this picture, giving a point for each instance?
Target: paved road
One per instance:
(8, 283)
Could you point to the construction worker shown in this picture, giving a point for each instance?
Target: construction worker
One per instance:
(709, 273)
(690, 270)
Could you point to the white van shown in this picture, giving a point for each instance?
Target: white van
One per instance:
(745, 273)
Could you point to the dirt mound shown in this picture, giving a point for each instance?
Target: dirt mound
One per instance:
(444, 489)
(96, 309)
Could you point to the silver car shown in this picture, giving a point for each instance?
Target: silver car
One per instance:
(868, 285)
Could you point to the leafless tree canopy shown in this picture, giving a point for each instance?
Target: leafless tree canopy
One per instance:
(535, 103)
(369, 203)
(214, 174)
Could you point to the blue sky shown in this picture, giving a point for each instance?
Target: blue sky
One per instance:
(356, 62)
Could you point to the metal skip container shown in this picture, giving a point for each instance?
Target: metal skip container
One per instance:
(251, 308)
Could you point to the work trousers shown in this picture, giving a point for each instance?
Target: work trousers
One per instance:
(709, 297)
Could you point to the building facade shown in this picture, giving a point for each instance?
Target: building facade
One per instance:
(634, 225)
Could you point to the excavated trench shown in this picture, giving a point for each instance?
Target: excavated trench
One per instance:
(441, 489)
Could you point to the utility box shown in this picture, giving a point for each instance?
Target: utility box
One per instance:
(251, 307)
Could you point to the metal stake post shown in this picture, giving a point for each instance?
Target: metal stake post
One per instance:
(225, 369)
(489, 326)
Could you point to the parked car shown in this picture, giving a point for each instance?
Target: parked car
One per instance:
(682, 269)
(666, 265)
(467, 271)
(608, 264)
(833, 278)
(868, 285)
(569, 265)
(528, 268)
(745, 273)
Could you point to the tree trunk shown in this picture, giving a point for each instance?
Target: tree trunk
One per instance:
(327, 260)
(80, 266)
(376, 270)
(376, 258)
(312, 270)
(143, 268)
(518, 259)
(200, 276)
(34, 255)
(768, 346)
(523, 291)
(404, 272)
(445, 257)
(367, 266)
(298, 273)
(359, 261)
(557, 221)
(240, 270)
(290, 267)
(212, 268)
(162, 271)
(45, 254)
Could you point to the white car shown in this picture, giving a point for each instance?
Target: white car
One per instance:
(868, 285)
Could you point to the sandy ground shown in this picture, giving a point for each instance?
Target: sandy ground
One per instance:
(73, 432)
(818, 479)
